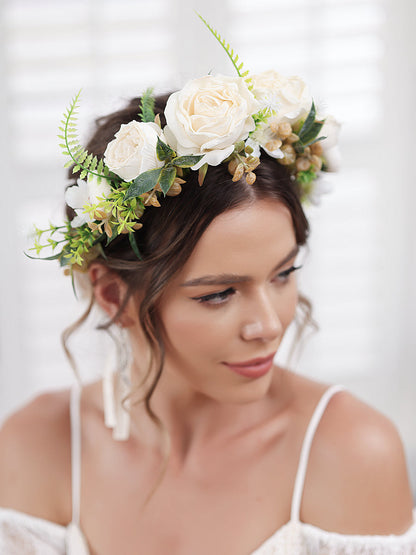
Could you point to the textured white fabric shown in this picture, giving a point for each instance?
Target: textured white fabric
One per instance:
(22, 534)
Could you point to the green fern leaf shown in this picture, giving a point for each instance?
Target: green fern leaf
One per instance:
(147, 105)
(79, 155)
(87, 161)
(93, 164)
(81, 160)
(227, 48)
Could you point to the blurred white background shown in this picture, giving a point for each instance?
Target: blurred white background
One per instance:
(358, 56)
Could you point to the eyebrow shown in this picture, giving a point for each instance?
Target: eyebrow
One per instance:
(229, 279)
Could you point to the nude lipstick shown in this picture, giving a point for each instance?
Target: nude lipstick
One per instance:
(254, 368)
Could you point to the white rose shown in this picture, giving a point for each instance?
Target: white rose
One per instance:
(83, 195)
(133, 151)
(209, 116)
(331, 153)
(289, 97)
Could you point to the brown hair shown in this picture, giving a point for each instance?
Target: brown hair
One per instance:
(171, 231)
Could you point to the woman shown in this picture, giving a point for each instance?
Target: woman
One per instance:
(222, 451)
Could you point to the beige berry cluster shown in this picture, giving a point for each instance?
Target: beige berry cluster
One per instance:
(284, 139)
(240, 165)
(151, 197)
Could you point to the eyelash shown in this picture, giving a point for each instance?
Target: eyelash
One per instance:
(222, 296)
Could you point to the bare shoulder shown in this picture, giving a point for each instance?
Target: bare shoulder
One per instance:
(357, 480)
(35, 460)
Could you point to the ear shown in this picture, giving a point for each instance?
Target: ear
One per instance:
(109, 292)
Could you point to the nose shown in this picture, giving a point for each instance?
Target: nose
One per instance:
(263, 321)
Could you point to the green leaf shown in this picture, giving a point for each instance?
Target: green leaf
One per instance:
(147, 104)
(73, 283)
(53, 257)
(145, 182)
(163, 151)
(186, 161)
(308, 137)
(315, 141)
(134, 246)
(310, 128)
(167, 177)
(309, 120)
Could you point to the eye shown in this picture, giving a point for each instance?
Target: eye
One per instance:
(216, 298)
(283, 277)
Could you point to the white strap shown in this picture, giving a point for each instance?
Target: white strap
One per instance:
(306, 447)
(75, 410)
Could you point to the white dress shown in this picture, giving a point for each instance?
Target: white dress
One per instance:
(22, 534)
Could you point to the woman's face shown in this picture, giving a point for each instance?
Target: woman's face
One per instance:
(232, 303)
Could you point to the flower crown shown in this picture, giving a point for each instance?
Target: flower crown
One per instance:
(212, 120)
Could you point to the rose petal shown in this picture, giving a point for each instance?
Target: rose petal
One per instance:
(77, 195)
(214, 158)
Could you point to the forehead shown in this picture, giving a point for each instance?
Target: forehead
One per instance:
(240, 240)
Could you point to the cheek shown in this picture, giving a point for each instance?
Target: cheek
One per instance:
(189, 327)
(287, 308)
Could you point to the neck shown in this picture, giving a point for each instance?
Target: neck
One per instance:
(196, 422)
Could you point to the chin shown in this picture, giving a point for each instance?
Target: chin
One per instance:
(249, 392)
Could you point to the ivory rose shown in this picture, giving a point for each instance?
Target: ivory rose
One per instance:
(289, 97)
(133, 151)
(85, 194)
(209, 116)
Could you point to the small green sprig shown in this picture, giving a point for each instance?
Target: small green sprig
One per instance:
(230, 52)
(147, 106)
(306, 177)
(262, 117)
(76, 242)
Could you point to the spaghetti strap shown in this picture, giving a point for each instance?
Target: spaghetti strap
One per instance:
(76, 452)
(306, 446)
(76, 543)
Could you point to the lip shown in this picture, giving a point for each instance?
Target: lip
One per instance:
(254, 368)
